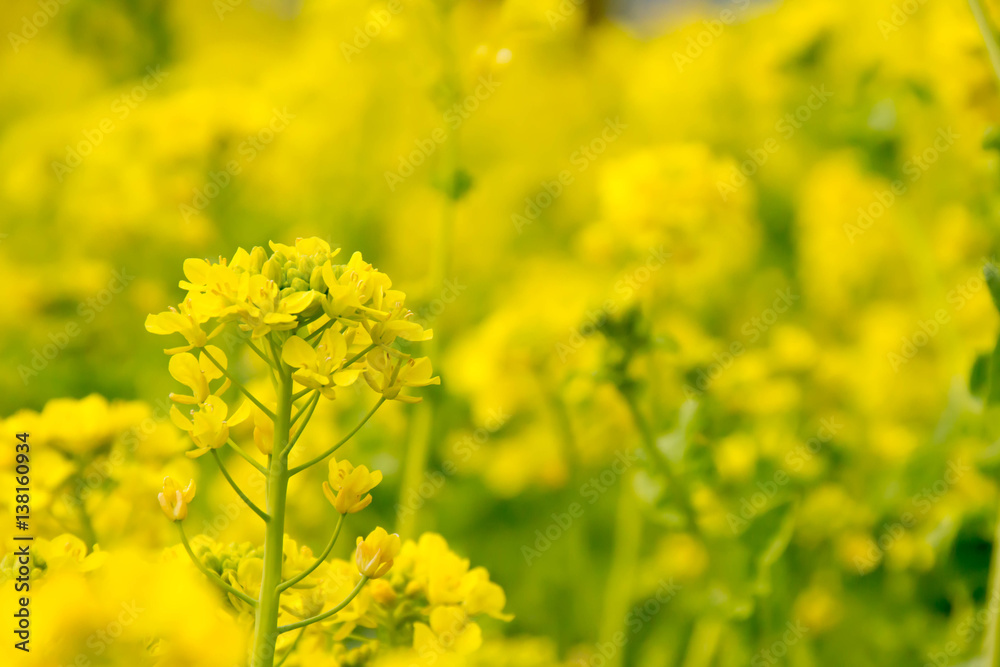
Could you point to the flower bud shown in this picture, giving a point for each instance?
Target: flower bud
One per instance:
(174, 501)
(316, 280)
(257, 258)
(376, 552)
(272, 270)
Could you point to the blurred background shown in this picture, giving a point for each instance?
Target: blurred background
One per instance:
(705, 281)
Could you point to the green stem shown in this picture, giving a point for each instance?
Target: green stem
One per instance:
(208, 573)
(359, 355)
(246, 456)
(320, 331)
(989, 36)
(291, 649)
(326, 614)
(225, 473)
(297, 469)
(417, 453)
(307, 410)
(991, 640)
(259, 353)
(266, 621)
(624, 563)
(239, 385)
(310, 405)
(657, 457)
(322, 557)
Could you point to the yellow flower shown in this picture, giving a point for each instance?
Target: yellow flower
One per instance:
(186, 322)
(376, 552)
(450, 630)
(263, 430)
(320, 367)
(348, 487)
(267, 310)
(351, 287)
(397, 321)
(482, 596)
(174, 501)
(197, 373)
(209, 426)
(216, 290)
(382, 592)
(388, 374)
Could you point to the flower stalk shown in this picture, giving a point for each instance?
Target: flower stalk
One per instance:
(318, 327)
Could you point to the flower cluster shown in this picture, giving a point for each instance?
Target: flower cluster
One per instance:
(318, 326)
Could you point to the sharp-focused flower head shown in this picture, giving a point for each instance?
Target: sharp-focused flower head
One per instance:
(348, 487)
(196, 373)
(390, 373)
(209, 425)
(376, 552)
(321, 367)
(174, 501)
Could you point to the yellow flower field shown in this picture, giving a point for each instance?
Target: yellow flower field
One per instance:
(446, 333)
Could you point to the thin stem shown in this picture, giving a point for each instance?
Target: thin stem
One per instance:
(302, 427)
(208, 573)
(291, 649)
(299, 394)
(417, 453)
(266, 618)
(627, 541)
(260, 353)
(239, 385)
(991, 640)
(322, 557)
(246, 456)
(225, 473)
(319, 331)
(657, 457)
(310, 404)
(297, 469)
(326, 614)
(988, 35)
(359, 355)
